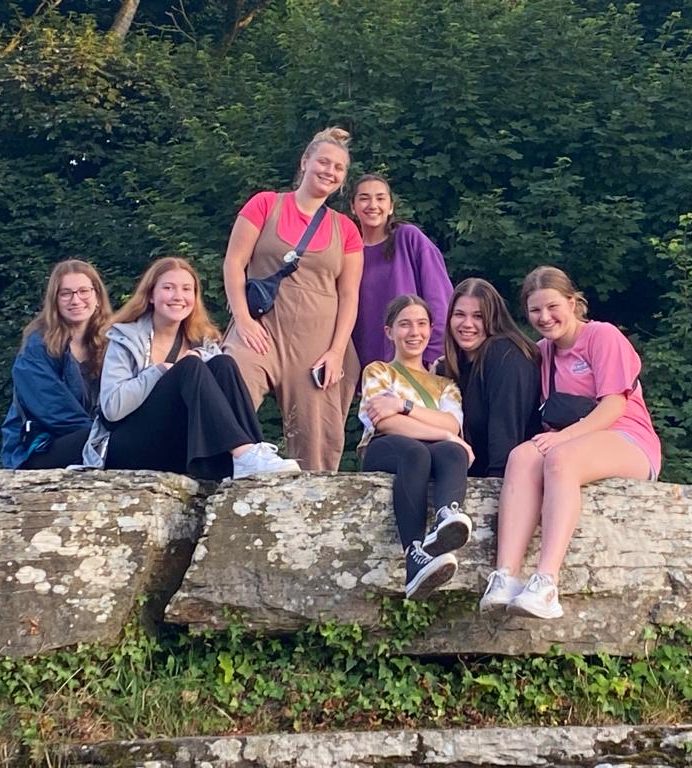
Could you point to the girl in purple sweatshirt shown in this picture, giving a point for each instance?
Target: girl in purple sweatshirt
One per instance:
(399, 259)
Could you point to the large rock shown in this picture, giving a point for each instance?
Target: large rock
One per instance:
(78, 549)
(605, 747)
(285, 551)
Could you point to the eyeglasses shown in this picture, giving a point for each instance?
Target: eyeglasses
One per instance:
(83, 293)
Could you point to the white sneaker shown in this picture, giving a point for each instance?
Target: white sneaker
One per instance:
(501, 590)
(538, 599)
(262, 457)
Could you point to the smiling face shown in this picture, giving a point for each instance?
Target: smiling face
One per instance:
(410, 334)
(324, 170)
(466, 325)
(553, 315)
(77, 299)
(173, 296)
(372, 206)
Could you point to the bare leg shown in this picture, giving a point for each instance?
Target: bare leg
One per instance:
(520, 506)
(567, 467)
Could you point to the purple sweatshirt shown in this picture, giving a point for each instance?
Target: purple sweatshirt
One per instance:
(416, 267)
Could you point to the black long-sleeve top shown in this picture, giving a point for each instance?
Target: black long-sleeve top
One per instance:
(500, 404)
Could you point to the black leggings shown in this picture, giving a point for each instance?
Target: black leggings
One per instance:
(415, 463)
(191, 420)
(61, 452)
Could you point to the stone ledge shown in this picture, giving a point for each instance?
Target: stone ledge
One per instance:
(78, 550)
(567, 747)
(286, 551)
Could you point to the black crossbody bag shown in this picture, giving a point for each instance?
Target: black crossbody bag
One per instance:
(561, 410)
(260, 292)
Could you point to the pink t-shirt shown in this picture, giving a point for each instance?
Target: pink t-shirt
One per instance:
(603, 362)
(292, 222)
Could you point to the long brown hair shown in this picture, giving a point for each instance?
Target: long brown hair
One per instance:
(56, 332)
(497, 323)
(392, 222)
(552, 277)
(197, 326)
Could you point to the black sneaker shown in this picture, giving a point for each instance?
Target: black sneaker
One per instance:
(425, 573)
(451, 531)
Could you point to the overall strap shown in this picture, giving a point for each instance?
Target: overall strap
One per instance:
(426, 397)
(293, 257)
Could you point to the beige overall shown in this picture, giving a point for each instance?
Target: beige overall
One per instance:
(300, 327)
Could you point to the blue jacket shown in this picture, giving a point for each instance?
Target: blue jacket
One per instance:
(50, 390)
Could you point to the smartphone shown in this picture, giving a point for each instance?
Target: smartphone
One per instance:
(318, 375)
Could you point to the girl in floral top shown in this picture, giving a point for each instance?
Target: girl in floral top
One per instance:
(413, 422)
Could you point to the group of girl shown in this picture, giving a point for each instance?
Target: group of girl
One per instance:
(150, 386)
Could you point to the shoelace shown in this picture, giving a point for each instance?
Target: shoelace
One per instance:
(418, 554)
(445, 512)
(267, 448)
(496, 578)
(538, 581)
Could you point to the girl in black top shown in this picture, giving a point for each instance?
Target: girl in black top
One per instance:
(497, 369)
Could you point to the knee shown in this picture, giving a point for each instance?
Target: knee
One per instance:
(223, 362)
(559, 462)
(524, 458)
(453, 453)
(190, 363)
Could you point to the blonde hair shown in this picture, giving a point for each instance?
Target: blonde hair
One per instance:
(197, 326)
(56, 332)
(339, 137)
(552, 277)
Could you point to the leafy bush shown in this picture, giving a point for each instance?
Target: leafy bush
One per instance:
(325, 676)
(514, 133)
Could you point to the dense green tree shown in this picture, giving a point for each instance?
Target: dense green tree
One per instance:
(515, 133)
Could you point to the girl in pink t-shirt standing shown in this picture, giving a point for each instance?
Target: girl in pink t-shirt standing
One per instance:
(301, 349)
(544, 476)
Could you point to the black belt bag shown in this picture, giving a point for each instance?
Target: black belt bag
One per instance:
(561, 410)
(261, 292)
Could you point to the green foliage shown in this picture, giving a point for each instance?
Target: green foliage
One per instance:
(514, 134)
(668, 356)
(325, 676)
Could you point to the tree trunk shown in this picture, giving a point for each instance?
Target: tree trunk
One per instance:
(123, 20)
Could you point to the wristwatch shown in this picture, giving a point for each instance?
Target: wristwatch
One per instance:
(408, 407)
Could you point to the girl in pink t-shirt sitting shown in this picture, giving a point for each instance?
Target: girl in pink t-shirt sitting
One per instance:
(544, 476)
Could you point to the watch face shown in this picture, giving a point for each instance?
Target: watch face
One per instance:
(408, 407)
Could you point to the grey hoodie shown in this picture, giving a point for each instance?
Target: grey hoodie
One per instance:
(127, 379)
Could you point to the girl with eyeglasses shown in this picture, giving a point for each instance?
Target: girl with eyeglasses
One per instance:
(56, 372)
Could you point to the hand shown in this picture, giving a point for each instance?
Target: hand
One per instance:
(545, 441)
(253, 335)
(382, 407)
(333, 367)
(433, 366)
(460, 441)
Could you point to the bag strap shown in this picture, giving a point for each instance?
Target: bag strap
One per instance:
(172, 356)
(303, 242)
(426, 397)
(551, 382)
